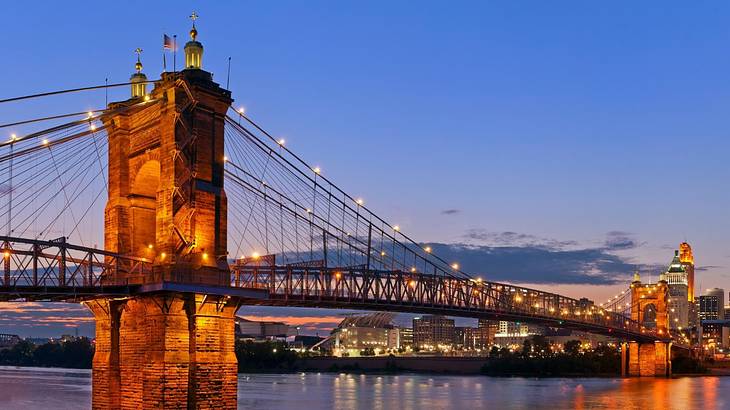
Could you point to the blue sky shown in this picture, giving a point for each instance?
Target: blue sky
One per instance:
(558, 126)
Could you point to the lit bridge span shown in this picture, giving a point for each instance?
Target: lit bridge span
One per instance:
(59, 271)
(201, 211)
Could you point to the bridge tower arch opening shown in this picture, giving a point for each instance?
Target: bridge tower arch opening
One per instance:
(648, 316)
(650, 308)
(144, 194)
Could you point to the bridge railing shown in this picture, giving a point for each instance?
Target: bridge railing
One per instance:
(328, 286)
(31, 263)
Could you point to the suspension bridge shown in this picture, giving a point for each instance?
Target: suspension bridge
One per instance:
(167, 212)
(301, 240)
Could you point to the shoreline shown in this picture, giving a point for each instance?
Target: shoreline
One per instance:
(713, 372)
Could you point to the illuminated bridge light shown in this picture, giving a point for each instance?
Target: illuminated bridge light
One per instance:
(338, 275)
(427, 249)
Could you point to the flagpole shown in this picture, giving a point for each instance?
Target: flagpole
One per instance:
(174, 53)
(228, 80)
(164, 59)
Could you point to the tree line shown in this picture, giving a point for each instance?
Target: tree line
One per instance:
(74, 354)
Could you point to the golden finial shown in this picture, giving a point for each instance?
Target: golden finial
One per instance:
(193, 31)
(138, 65)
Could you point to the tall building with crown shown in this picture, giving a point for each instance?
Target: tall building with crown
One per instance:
(679, 304)
(688, 262)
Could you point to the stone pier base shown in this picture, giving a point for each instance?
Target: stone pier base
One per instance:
(648, 359)
(168, 350)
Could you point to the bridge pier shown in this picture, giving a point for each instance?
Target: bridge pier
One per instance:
(646, 359)
(164, 351)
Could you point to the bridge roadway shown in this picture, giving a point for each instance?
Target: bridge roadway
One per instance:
(36, 270)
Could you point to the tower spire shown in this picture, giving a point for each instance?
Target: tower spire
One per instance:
(193, 48)
(193, 31)
(637, 277)
(138, 65)
(138, 79)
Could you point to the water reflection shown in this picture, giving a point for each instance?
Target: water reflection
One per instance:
(26, 388)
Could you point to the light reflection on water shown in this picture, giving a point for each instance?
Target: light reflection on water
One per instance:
(32, 388)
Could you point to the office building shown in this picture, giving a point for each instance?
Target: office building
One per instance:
(433, 332)
(679, 301)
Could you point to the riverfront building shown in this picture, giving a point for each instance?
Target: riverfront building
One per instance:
(433, 332)
(714, 326)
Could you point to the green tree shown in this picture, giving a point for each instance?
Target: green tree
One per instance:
(572, 347)
(19, 355)
(540, 345)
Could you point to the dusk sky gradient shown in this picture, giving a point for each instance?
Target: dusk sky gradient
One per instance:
(554, 144)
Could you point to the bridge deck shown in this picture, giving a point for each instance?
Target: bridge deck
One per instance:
(57, 271)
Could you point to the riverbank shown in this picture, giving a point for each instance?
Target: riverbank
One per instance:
(275, 357)
(393, 364)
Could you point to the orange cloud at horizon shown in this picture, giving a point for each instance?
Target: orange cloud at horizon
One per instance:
(306, 321)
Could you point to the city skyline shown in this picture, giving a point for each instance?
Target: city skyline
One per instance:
(560, 196)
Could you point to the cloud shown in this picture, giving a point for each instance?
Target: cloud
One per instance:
(525, 258)
(450, 211)
(305, 321)
(705, 268)
(44, 319)
(620, 241)
(509, 238)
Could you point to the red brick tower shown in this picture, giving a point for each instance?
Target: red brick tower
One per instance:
(171, 345)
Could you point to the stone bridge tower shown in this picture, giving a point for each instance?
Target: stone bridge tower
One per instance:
(171, 344)
(649, 307)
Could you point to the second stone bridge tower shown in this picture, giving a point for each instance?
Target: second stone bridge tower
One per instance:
(649, 308)
(171, 344)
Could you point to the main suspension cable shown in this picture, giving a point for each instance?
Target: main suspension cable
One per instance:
(73, 90)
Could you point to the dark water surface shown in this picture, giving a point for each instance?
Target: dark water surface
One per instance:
(33, 388)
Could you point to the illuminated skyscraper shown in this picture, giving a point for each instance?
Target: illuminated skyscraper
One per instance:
(679, 304)
(688, 262)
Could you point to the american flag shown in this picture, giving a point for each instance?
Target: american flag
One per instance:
(167, 42)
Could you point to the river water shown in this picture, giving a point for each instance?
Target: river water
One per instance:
(33, 388)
